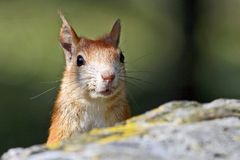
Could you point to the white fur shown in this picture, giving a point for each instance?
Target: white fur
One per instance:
(91, 112)
(82, 105)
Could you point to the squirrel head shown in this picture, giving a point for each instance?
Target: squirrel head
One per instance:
(96, 66)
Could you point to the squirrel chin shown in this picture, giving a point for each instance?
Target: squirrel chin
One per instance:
(102, 94)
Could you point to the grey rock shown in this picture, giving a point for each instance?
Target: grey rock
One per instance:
(176, 130)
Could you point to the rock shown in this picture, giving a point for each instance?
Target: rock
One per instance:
(176, 130)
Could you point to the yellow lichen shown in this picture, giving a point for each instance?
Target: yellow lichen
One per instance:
(157, 122)
(156, 111)
(117, 133)
(53, 146)
(109, 139)
(236, 138)
(95, 157)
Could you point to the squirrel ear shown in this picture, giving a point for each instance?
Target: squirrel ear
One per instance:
(68, 38)
(115, 33)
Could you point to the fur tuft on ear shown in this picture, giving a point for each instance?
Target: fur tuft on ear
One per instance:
(68, 38)
(114, 35)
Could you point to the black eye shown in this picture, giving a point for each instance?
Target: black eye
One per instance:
(80, 60)
(122, 57)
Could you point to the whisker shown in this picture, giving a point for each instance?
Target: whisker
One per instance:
(56, 81)
(139, 58)
(48, 90)
(129, 93)
(77, 79)
(134, 85)
(140, 71)
(34, 97)
(67, 103)
(71, 83)
(136, 79)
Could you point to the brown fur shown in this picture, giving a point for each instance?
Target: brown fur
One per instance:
(74, 110)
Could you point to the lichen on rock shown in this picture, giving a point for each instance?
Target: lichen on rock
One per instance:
(175, 130)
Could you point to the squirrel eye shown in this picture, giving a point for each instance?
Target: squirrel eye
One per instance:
(122, 57)
(80, 60)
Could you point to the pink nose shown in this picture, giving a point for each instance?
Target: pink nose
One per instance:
(108, 77)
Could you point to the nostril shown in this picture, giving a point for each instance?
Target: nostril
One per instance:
(108, 77)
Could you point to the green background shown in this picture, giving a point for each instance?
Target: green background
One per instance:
(154, 43)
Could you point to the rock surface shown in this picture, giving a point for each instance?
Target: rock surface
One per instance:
(176, 130)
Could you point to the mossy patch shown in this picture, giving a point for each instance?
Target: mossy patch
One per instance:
(117, 133)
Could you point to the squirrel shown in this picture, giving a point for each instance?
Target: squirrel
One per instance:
(92, 91)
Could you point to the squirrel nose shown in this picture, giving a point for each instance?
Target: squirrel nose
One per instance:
(108, 77)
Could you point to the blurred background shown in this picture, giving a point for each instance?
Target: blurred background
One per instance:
(178, 49)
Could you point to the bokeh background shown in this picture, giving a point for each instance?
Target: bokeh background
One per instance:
(178, 49)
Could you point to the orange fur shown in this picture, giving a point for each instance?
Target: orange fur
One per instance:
(75, 111)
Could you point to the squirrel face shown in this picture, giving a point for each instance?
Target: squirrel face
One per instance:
(97, 66)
